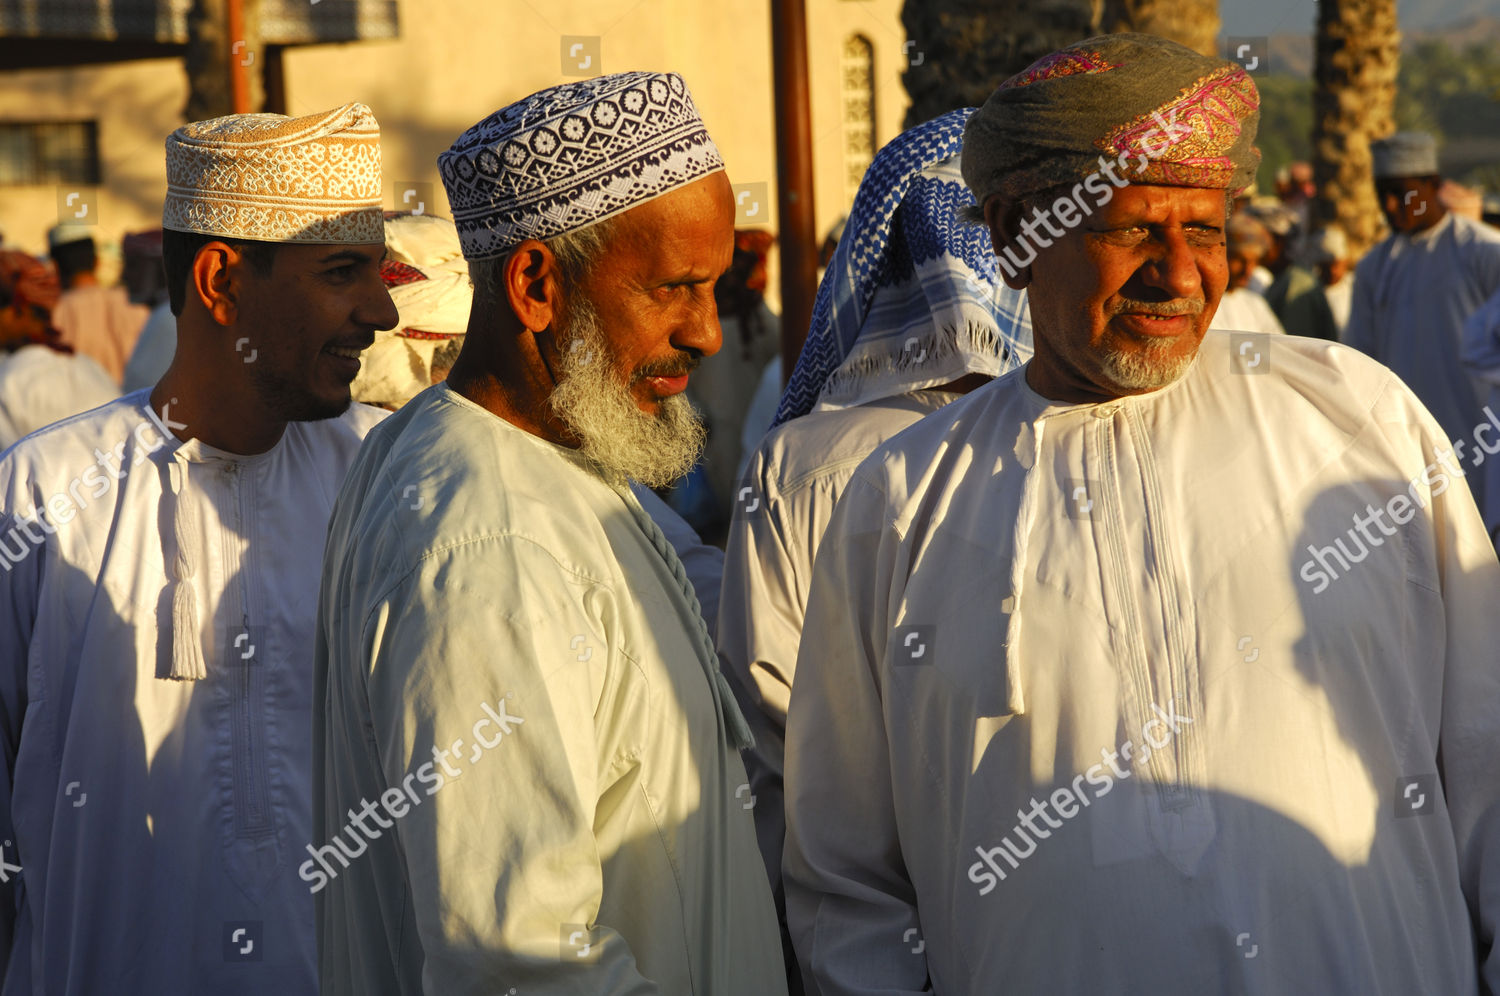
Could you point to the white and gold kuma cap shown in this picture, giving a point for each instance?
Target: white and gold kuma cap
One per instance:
(272, 178)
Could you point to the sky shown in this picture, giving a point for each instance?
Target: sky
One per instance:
(1270, 17)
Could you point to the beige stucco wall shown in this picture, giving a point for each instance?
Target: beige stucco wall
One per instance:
(459, 60)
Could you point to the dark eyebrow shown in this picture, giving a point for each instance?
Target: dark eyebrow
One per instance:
(349, 256)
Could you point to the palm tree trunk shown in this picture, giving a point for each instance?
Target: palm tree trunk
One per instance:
(1194, 23)
(1354, 95)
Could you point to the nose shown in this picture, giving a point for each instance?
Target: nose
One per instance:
(1173, 267)
(376, 309)
(700, 329)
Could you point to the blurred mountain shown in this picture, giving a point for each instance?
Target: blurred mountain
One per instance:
(1276, 17)
(1292, 54)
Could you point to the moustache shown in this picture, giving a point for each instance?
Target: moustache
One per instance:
(666, 368)
(1163, 309)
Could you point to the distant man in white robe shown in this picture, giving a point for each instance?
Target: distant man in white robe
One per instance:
(1481, 355)
(97, 321)
(158, 576)
(1160, 664)
(528, 759)
(1413, 292)
(41, 380)
(911, 313)
(1242, 309)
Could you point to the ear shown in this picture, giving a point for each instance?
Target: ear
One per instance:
(533, 285)
(214, 280)
(1000, 216)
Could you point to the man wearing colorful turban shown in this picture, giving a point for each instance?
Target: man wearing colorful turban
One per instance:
(1166, 662)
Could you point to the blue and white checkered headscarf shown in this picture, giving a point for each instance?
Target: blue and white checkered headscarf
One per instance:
(913, 297)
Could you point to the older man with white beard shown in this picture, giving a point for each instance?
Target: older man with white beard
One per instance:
(512, 665)
(1090, 698)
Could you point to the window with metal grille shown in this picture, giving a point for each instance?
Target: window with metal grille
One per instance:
(49, 152)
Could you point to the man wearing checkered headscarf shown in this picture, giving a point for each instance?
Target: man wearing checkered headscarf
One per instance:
(540, 696)
(1165, 662)
(159, 564)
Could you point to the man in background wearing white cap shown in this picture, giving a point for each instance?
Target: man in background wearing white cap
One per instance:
(511, 661)
(97, 321)
(1413, 291)
(158, 570)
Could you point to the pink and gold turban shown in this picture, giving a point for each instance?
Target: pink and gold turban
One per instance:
(1160, 112)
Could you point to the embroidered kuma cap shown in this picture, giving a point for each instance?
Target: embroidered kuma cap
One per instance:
(572, 155)
(1404, 154)
(272, 178)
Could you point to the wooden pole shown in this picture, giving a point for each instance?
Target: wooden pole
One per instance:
(798, 236)
(239, 77)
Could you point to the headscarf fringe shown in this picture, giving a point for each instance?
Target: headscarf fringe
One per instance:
(934, 348)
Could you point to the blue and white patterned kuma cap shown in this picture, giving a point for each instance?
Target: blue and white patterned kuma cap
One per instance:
(573, 155)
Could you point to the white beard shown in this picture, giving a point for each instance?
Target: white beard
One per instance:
(1142, 370)
(626, 443)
